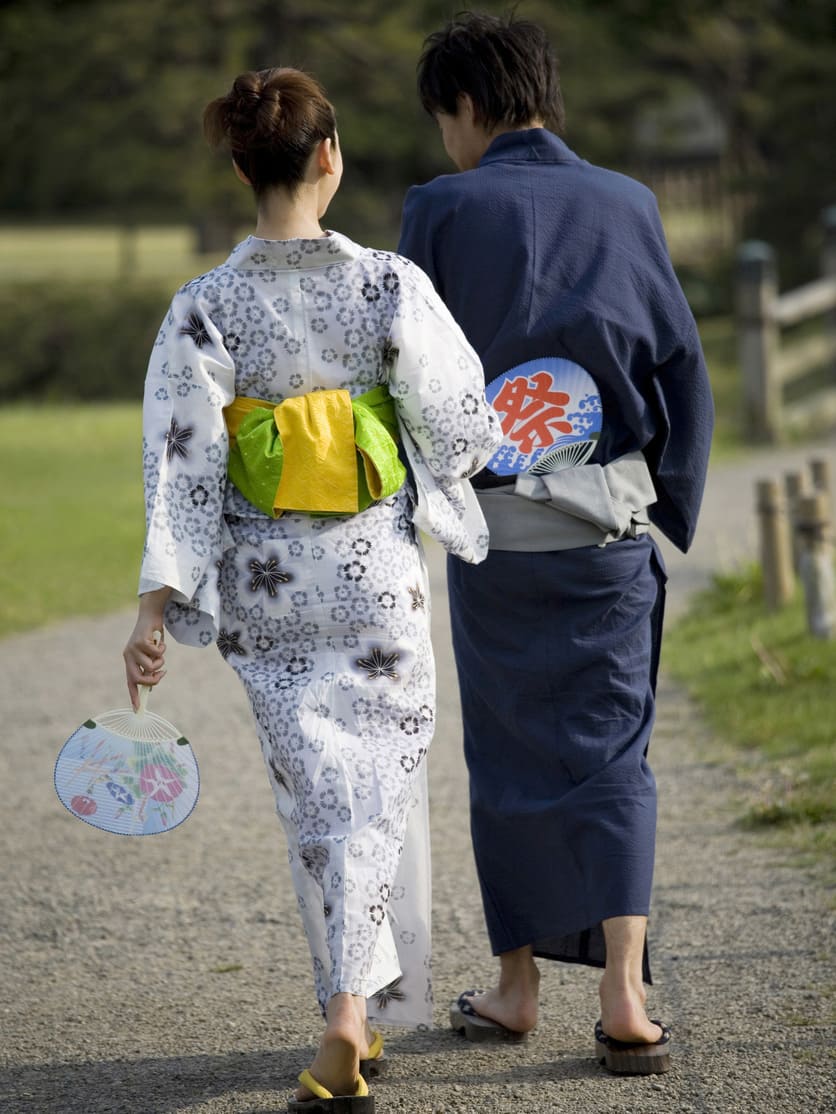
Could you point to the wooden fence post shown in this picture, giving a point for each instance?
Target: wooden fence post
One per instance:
(776, 550)
(828, 261)
(794, 488)
(820, 474)
(816, 565)
(757, 292)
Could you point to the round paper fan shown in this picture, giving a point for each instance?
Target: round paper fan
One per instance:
(545, 406)
(128, 772)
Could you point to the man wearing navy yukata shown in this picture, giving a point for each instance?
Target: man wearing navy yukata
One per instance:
(559, 275)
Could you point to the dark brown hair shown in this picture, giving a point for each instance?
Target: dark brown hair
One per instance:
(271, 120)
(506, 66)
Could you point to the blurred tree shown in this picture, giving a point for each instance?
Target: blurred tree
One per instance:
(103, 99)
(769, 69)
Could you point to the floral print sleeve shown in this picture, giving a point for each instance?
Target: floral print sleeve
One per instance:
(448, 428)
(190, 379)
(438, 384)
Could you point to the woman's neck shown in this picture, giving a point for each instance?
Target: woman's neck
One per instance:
(289, 217)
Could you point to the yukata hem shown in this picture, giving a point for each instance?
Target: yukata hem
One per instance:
(368, 987)
(585, 946)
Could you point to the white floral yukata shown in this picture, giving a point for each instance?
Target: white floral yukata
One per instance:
(325, 620)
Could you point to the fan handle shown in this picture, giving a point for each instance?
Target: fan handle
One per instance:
(145, 690)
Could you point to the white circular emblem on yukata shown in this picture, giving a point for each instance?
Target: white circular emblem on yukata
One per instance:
(550, 413)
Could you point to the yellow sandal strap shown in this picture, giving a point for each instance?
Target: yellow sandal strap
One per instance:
(307, 1080)
(376, 1047)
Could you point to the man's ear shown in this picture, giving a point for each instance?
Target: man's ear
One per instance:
(466, 108)
(240, 173)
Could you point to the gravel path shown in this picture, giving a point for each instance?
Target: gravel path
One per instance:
(168, 975)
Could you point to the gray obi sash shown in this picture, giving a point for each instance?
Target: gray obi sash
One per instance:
(591, 504)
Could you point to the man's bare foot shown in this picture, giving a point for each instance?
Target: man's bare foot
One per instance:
(514, 1002)
(621, 989)
(623, 1015)
(336, 1065)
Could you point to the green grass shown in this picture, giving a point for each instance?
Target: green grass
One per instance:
(101, 251)
(71, 512)
(766, 688)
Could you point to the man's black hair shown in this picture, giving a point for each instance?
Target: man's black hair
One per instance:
(506, 66)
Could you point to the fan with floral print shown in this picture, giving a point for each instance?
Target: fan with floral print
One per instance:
(128, 772)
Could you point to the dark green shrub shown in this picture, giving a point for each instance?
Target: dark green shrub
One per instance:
(708, 285)
(62, 341)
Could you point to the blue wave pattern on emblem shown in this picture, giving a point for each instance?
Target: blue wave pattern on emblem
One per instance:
(551, 415)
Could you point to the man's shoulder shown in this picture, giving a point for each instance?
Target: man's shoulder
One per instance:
(578, 176)
(444, 188)
(601, 178)
(462, 196)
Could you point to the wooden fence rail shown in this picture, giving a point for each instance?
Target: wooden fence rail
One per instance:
(768, 366)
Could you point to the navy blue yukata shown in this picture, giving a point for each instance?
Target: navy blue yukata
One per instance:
(541, 256)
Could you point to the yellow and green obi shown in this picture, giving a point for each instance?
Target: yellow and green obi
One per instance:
(322, 453)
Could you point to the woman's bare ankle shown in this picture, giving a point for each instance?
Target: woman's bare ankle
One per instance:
(337, 1062)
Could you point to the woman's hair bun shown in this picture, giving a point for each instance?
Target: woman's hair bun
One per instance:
(255, 106)
(271, 120)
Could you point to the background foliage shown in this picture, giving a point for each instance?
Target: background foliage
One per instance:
(101, 127)
(103, 98)
(86, 342)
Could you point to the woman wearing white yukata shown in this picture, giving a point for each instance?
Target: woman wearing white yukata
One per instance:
(282, 524)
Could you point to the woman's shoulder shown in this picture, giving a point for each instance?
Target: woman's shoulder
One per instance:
(394, 271)
(205, 282)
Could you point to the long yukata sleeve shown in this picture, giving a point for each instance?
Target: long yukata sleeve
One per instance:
(191, 377)
(448, 428)
(683, 407)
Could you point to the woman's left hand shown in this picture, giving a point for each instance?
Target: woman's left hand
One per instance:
(144, 653)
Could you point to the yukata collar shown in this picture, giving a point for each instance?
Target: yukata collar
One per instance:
(528, 145)
(255, 254)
